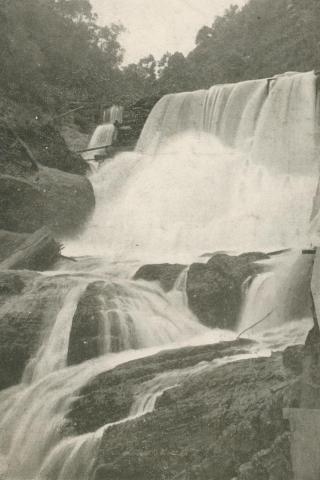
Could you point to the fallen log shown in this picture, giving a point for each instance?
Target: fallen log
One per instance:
(38, 252)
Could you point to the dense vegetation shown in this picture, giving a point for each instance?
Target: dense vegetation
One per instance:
(53, 52)
(263, 38)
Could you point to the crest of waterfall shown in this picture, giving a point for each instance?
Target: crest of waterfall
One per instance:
(234, 167)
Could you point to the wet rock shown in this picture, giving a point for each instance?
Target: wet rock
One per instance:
(166, 274)
(52, 198)
(96, 322)
(85, 338)
(219, 423)
(214, 288)
(20, 327)
(109, 396)
(273, 463)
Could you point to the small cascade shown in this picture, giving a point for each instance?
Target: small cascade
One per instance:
(145, 317)
(101, 137)
(74, 458)
(233, 168)
(279, 295)
(139, 315)
(53, 353)
(179, 292)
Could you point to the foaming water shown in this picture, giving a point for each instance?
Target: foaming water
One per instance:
(101, 137)
(233, 168)
(278, 296)
(195, 195)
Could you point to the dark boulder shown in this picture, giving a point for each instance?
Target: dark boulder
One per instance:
(52, 198)
(166, 274)
(218, 423)
(19, 326)
(214, 288)
(85, 338)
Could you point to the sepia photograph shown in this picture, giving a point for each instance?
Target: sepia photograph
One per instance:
(160, 240)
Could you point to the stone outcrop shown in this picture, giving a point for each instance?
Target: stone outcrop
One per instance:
(52, 198)
(20, 327)
(85, 337)
(97, 322)
(37, 251)
(214, 289)
(33, 195)
(220, 423)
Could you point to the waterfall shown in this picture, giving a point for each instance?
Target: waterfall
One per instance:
(74, 458)
(234, 167)
(101, 137)
(33, 414)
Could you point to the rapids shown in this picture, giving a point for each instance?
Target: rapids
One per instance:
(231, 168)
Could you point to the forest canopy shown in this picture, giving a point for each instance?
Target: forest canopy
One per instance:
(53, 52)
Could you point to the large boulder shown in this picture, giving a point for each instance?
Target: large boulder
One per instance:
(98, 324)
(166, 274)
(214, 423)
(85, 336)
(52, 198)
(43, 140)
(214, 288)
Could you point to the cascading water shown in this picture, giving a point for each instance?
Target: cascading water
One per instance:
(233, 167)
(101, 137)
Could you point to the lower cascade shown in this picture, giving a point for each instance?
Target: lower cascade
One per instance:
(222, 171)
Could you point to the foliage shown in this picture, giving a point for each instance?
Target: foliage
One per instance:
(52, 51)
(264, 38)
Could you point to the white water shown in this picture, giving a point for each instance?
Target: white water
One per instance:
(101, 137)
(281, 294)
(229, 168)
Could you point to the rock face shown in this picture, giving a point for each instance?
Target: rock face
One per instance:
(217, 423)
(38, 251)
(44, 141)
(97, 325)
(19, 327)
(32, 195)
(215, 289)
(166, 274)
(85, 337)
(51, 150)
(58, 200)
